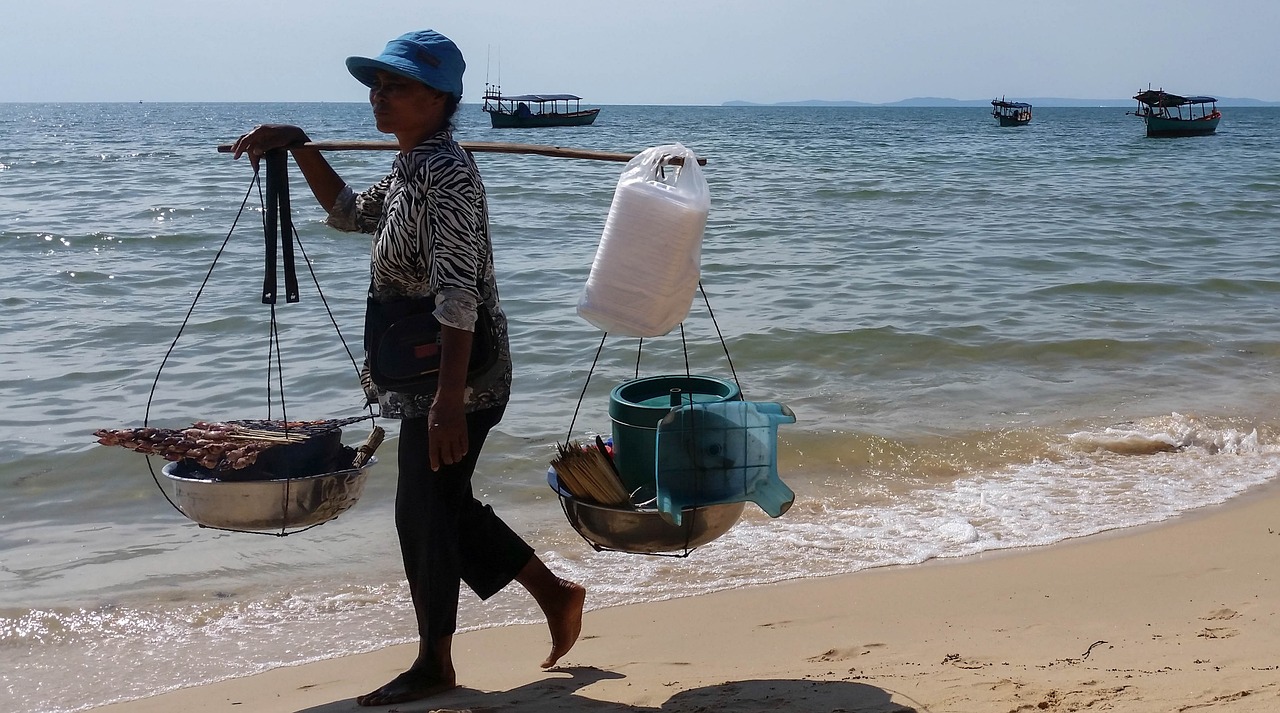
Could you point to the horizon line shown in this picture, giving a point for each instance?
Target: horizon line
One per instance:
(916, 101)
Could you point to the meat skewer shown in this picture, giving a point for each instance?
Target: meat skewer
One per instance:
(230, 445)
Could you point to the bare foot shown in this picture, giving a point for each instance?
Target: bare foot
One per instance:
(409, 686)
(564, 617)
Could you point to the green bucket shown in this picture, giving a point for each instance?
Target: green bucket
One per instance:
(636, 407)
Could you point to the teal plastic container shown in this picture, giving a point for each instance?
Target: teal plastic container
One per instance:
(636, 407)
(711, 454)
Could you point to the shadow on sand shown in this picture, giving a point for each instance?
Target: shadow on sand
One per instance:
(558, 694)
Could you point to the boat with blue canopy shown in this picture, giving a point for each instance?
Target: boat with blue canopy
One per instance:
(522, 111)
(1011, 113)
(1164, 113)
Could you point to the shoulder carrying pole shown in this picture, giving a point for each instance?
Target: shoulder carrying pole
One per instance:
(476, 147)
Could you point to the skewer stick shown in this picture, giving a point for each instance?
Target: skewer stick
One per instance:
(274, 436)
(263, 439)
(478, 147)
(269, 432)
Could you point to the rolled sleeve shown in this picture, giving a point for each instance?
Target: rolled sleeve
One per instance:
(359, 212)
(456, 307)
(343, 213)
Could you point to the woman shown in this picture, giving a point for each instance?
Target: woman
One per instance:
(430, 225)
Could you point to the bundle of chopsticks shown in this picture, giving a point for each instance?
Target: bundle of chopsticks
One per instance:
(588, 473)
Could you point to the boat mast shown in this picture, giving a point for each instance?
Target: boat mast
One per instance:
(494, 89)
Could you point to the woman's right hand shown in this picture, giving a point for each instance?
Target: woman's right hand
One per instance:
(267, 137)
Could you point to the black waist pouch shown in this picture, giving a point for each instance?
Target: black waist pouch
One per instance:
(402, 338)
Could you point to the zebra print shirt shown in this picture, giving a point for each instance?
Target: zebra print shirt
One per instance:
(430, 225)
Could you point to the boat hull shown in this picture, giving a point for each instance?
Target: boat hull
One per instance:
(506, 120)
(1162, 127)
(1010, 121)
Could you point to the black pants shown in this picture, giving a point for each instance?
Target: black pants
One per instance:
(446, 535)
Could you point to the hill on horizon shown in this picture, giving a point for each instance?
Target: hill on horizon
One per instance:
(948, 102)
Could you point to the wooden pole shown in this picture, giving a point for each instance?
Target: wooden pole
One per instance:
(477, 147)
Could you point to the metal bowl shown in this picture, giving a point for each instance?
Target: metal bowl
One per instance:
(645, 530)
(266, 505)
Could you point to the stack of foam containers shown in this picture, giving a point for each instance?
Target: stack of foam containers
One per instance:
(646, 268)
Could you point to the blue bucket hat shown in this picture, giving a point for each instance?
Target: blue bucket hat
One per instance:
(425, 56)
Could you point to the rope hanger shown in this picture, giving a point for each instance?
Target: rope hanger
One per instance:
(280, 235)
(689, 523)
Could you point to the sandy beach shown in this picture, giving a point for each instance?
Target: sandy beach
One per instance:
(1182, 616)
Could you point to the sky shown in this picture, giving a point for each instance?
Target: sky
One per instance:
(699, 52)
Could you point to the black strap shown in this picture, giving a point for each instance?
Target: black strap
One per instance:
(278, 223)
(286, 229)
(270, 225)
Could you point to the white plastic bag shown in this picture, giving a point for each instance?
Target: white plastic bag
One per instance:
(647, 265)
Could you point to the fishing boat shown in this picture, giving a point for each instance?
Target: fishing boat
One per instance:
(1011, 113)
(1163, 113)
(523, 111)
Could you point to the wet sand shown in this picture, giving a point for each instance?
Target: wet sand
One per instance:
(1181, 616)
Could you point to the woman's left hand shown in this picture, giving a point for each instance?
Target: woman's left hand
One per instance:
(266, 137)
(446, 434)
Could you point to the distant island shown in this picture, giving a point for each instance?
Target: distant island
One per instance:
(1036, 101)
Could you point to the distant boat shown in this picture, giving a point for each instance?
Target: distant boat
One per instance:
(1011, 113)
(1164, 116)
(522, 111)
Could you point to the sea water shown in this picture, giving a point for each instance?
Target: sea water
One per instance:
(991, 338)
